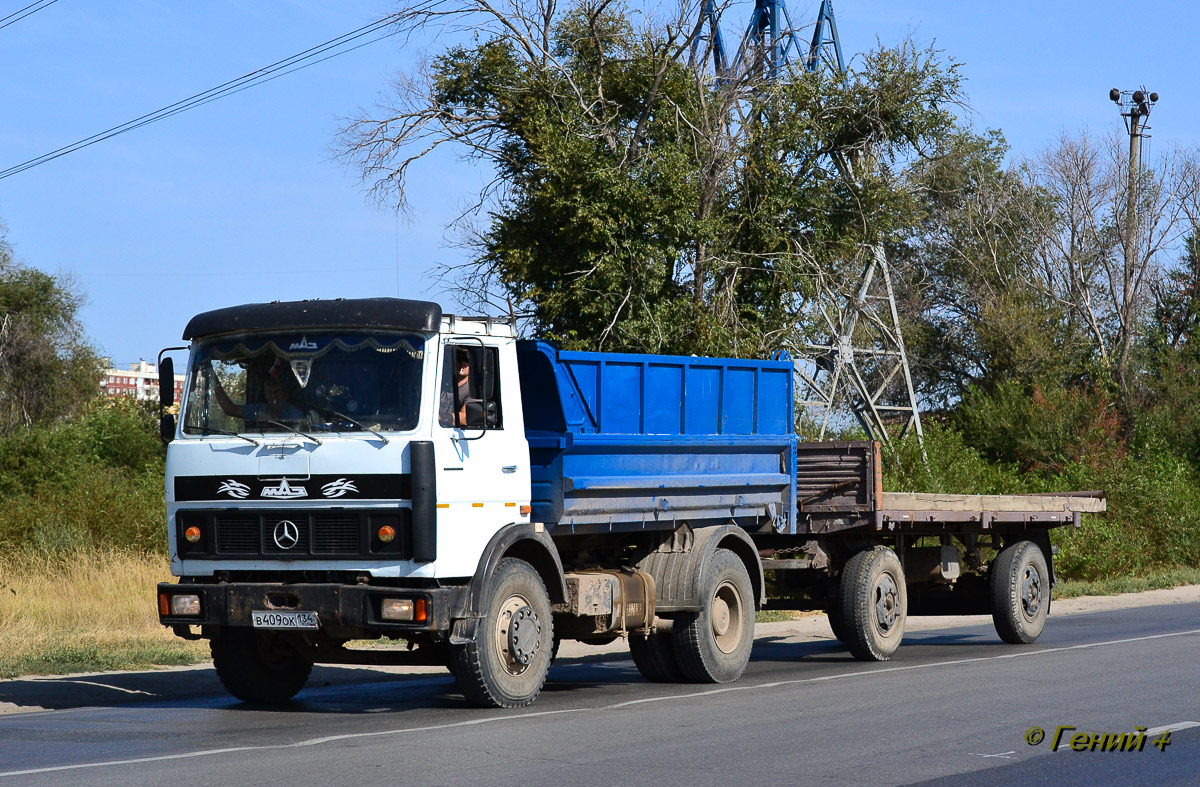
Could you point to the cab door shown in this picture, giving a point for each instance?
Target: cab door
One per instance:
(482, 462)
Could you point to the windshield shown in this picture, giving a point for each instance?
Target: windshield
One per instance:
(305, 382)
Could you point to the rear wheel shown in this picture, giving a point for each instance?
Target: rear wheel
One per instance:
(1020, 585)
(713, 645)
(836, 622)
(874, 604)
(506, 665)
(258, 666)
(654, 656)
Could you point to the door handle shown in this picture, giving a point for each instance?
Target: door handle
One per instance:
(509, 468)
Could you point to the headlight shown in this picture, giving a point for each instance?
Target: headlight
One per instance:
(179, 605)
(396, 609)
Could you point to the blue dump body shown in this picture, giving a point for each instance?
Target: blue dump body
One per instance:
(622, 442)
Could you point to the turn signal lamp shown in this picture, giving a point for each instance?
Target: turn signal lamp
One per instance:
(192, 534)
(420, 611)
(387, 533)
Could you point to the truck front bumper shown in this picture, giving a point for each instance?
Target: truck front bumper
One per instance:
(341, 609)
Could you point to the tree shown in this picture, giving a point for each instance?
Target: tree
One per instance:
(47, 368)
(1084, 252)
(978, 297)
(639, 203)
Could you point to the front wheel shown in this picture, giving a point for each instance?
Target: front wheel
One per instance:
(874, 604)
(506, 665)
(1020, 585)
(257, 666)
(713, 645)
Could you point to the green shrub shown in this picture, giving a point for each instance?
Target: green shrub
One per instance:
(94, 482)
(954, 468)
(1042, 429)
(1152, 523)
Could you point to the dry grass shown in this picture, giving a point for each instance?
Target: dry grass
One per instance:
(84, 611)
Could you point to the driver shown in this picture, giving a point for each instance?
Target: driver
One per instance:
(277, 407)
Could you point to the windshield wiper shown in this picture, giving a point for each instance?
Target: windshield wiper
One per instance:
(293, 430)
(211, 430)
(375, 431)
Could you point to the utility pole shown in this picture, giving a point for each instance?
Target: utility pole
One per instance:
(1135, 108)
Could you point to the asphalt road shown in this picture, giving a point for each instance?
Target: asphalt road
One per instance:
(954, 706)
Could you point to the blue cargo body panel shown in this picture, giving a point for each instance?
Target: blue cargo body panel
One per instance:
(623, 441)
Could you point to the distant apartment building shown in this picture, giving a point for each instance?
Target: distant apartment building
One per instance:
(139, 380)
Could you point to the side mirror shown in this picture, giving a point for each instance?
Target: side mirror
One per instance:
(487, 377)
(166, 383)
(476, 418)
(482, 415)
(166, 428)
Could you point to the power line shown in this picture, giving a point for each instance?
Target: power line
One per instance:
(226, 274)
(40, 5)
(288, 65)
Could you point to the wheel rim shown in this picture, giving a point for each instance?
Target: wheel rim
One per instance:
(887, 604)
(1031, 592)
(518, 634)
(726, 616)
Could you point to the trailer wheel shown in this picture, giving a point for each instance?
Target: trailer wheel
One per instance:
(506, 665)
(654, 656)
(1020, 585)
(874, 604)
(257, 666)
(713, 645)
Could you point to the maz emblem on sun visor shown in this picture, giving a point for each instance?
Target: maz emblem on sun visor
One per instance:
(284, 490)
(370, 486)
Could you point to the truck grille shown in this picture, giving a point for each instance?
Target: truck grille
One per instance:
(237, 533)
(293, 534)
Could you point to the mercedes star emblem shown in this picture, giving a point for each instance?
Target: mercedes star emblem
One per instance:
(287, 535)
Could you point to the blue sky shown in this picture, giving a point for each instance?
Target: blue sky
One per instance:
(241, 201)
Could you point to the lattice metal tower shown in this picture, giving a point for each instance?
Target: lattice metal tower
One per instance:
(864, 367)
(770, 39)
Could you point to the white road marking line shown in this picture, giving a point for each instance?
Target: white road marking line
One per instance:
(1002, 755)
(297, 744)
(614, 706)
(907, 668)
(1148, 734)
(1176, 727)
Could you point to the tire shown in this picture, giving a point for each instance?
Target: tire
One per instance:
(654, 656)
(713, 646)
(1020, 585)
(874, 604)
(257, 666)
(506, 665)
(836, 622)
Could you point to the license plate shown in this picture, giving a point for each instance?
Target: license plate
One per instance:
(284, 620)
